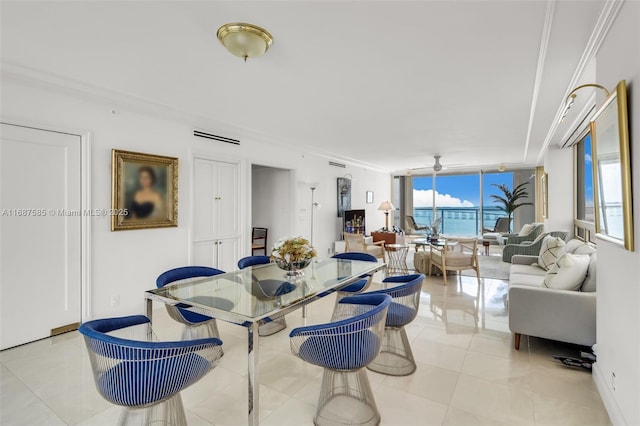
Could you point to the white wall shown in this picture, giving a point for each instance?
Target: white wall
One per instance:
(558, 163)
(126, 263)
(618, 324)
(271, 202)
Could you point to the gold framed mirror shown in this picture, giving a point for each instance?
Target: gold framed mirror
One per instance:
(612, 170)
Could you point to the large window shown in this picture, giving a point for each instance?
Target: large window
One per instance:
(584, 181)
(456, 200)
(584, 221)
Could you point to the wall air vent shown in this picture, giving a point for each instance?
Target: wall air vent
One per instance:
(207, 135)
(334, 164)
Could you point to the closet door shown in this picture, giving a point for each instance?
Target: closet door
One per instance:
(227, 210)
(40, 229)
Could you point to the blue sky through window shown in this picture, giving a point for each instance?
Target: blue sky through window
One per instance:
(459, 190)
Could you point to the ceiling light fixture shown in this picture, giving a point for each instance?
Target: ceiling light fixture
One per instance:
(501, 168)
(244, 40)
(571, 97)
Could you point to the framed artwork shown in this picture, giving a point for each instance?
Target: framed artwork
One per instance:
(144, 188)
(344, 195)
(369, 197)
(612, 170)
(544, 191)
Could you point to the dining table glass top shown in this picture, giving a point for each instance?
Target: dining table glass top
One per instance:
(258, 292)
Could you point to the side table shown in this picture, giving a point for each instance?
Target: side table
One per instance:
(397, 258)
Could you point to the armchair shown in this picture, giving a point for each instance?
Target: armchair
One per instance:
(528, 248)
(463, 255)
(501, 226)
(538, 228)
(413, 226)
(355, 242)
(145, 376)
(363, 283)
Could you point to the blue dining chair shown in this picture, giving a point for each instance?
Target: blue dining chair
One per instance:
(245, 262)
(145, 376)
(267, 290)
(396, 357)
(196, 326)
(344, 348)
(360, 285)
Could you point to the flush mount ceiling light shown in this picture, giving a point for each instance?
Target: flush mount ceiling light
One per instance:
(244, 40)
(571, 97)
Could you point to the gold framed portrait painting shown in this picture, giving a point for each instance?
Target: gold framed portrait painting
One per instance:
(145, 188)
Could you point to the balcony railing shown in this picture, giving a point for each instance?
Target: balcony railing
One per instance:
(459, 220)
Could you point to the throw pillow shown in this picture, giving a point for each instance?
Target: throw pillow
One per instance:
(526, 230)
(568, 272)
(550, 251)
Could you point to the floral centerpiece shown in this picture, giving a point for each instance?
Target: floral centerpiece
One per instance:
(293, 255)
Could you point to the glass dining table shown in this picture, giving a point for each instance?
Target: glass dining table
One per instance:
(241, 298)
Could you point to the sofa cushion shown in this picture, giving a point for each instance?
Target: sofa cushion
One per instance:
(550, 250)
(526, 280)
(589, 284)
(568, 272)
(526, 229)
(572, 245)
(527, 270)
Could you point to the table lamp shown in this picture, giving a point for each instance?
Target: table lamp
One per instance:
(386, 207)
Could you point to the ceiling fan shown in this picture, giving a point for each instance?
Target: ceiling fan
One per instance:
(437, 166)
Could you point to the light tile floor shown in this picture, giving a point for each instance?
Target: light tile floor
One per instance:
(468, 373)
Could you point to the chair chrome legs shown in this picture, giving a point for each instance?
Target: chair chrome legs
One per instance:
(269, 328)
(346, 398)
(168, 412)
(395, 357)
(203, 330)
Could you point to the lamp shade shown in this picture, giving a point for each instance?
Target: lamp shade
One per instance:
(244, 40)
(386, 206)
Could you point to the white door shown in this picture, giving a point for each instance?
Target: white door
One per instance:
(40, 231)
(216, 214)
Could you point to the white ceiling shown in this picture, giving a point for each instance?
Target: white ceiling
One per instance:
(384, 83)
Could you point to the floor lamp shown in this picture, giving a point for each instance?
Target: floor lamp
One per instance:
(313, 187)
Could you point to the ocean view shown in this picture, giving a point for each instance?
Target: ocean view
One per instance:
(459, 220)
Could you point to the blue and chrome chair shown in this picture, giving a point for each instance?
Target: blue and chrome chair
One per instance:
(267, 290)
(142, 375)
(396, 357)
(363, 283)
(197, 326)
(344, 348)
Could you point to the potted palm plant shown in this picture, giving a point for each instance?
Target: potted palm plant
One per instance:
(508, 201)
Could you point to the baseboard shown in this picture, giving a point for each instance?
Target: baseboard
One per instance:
(606, 394)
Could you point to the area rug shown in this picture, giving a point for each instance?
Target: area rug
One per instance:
(491, 267)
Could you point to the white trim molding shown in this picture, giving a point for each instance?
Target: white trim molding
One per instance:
(615, 414)
(606, 18)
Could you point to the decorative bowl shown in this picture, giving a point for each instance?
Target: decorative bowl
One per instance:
(294, 269)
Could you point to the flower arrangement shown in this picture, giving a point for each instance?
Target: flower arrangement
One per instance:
(293, 250)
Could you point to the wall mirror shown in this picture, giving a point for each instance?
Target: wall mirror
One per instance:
(612, 170)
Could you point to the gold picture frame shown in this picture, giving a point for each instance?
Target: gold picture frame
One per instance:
(544, 194)
(144, 191)
(612, 170)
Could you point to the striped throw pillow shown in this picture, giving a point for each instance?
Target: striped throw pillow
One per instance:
(550, 250)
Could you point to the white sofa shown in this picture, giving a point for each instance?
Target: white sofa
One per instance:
(535, 310)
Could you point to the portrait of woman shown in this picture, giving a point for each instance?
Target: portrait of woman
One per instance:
(145, 187)
(147, 201)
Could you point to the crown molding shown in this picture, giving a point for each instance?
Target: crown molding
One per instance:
(606, 18)
(115, 100)
(542, 55)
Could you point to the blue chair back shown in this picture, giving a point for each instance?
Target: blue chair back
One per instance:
(349, 343)
(406, 298)
(245, 262)
(185, 272)
(366, 257)
(139, 373)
